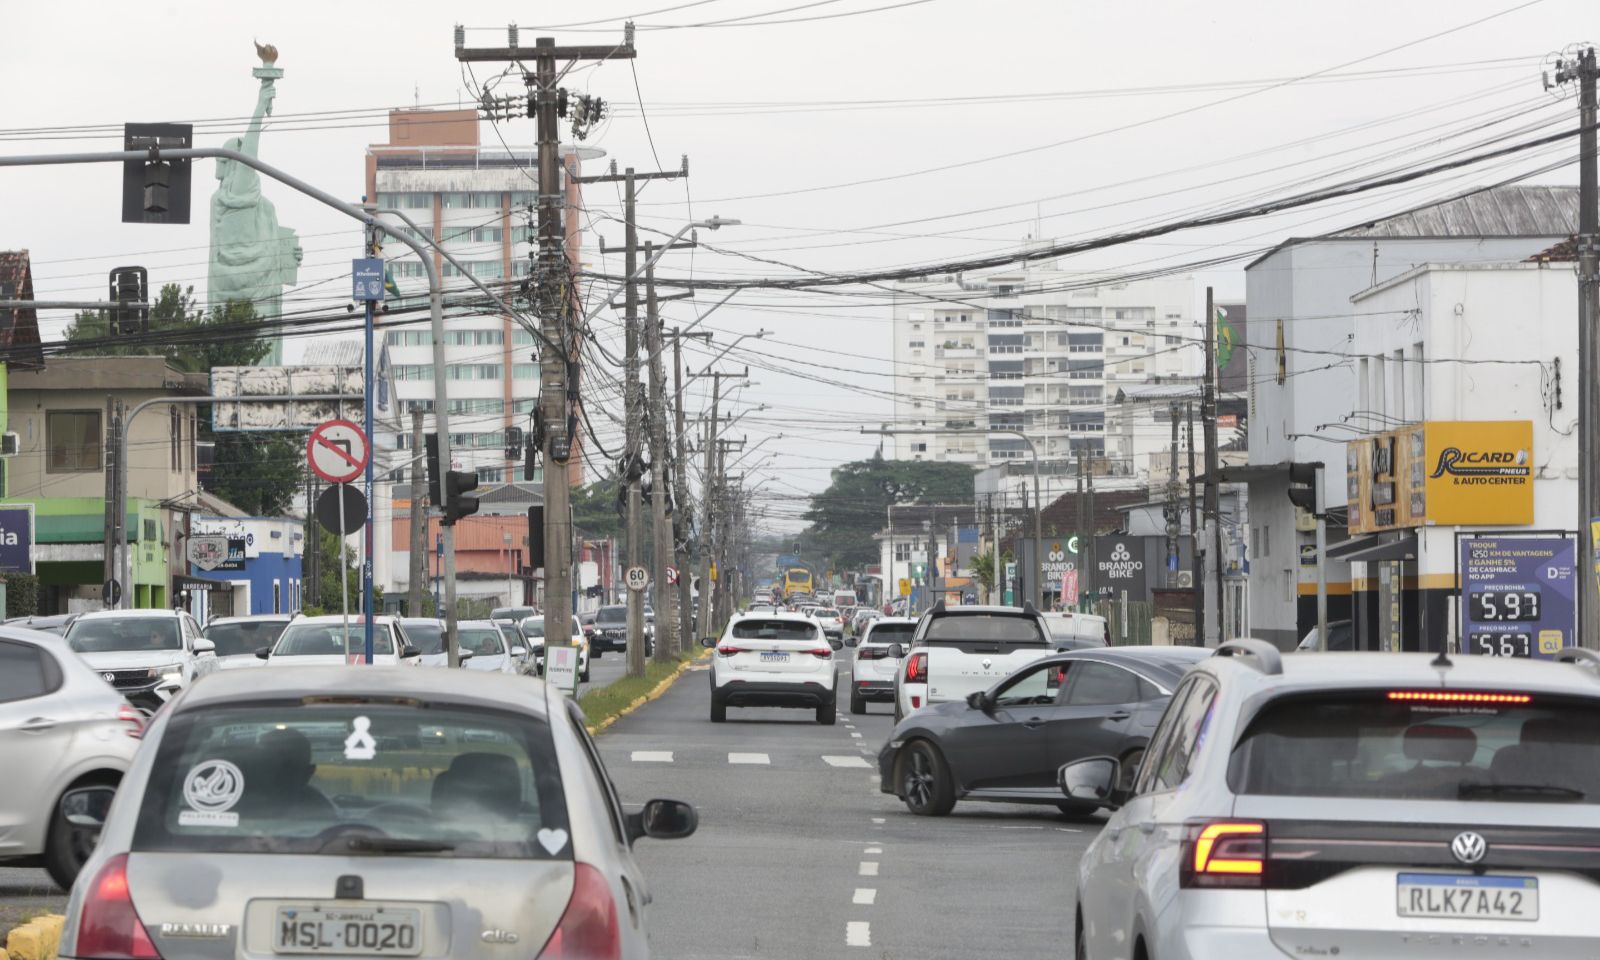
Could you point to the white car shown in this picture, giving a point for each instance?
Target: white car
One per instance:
(484, 648)
(872, 676)
(960, 650)
(533, 629)
(320, 641)
(66, 738)
(148, 655)
(240, 639)
(830, 620)
(774, 660)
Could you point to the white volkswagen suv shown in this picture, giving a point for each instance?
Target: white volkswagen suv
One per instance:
(1368, 805)
(774, 660)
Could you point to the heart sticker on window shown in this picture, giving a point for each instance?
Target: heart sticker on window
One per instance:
(553, 841)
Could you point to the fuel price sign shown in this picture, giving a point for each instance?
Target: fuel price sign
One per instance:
(1518, 595)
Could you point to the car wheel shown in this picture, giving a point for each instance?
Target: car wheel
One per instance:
(583, 675)
(897, 715)
(828, 712)
(67, 848)
(1077, 811)
(858, 706)
(719, 710)
(1080, 941)
(925, 781)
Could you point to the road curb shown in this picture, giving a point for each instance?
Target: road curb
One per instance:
(38, 939)
(655, 692)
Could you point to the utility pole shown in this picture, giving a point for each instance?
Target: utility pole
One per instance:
(1197, 563)
(667, 639)
(1208, 416)
(1090, 526)
(683, 515)
(710, 493)
(723, 593)
(1584, 70)
(1085, 538)
(931, 568)
(1174, 526)
(112, 473)
(417, 580)
(555, 300)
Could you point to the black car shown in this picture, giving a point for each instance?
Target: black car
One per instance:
(1006, 743)
(611, 631)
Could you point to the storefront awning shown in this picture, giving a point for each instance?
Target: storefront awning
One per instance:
(1375, 547)
(199, 584)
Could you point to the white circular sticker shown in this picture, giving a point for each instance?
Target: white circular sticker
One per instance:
(213, 786)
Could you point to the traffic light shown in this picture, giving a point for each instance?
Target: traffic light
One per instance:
(456, 483)
(431, 447)
(130, 286)
(513, 443)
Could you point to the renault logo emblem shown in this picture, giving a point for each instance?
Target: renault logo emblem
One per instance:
(1469, 847)
(986, 662)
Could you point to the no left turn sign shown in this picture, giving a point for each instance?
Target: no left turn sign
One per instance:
(337, 451)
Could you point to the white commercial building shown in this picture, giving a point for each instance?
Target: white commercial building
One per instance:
(1302, 384)
(1033, 349)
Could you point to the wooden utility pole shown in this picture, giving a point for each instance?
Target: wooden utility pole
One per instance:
(556, 298)
(1213, 510)
(417, 579)
(709, 496)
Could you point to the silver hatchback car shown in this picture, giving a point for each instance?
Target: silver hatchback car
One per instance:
(1367, 805)
(368, 812)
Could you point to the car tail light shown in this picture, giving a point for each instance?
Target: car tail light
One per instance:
(588, 928)
(870, 653)
(1224, 853)
(109, 927)
(917, 668)
(130, 715)
(822, 653)
(728, 650)
(1455, 696)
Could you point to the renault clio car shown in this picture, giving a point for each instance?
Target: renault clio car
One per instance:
(340, 811)
(1357, 805)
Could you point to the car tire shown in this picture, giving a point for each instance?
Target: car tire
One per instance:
(858, 706)
(66, 848)
(828, 712)
(1077, 811)
(583, 675)
(925, 783)
(1080, 941)
(719, 710)
(897, 716)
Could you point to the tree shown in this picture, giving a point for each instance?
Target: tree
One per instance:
(855, 506)
(258, 473)
(595, 510)
(327, 546)
(983, 571)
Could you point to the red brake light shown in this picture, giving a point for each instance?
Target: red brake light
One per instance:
(869, 653)
(588, 928)
(1225, 853)
(109, 927)
(917, 668)
(728, 650)
(822, 653)
(1452, 696)
(135, 720)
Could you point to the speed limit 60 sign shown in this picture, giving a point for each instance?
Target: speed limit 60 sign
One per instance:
(637, 578)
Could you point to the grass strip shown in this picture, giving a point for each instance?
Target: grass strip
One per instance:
(603, 705)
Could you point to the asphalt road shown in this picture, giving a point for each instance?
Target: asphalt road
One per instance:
(799, 856)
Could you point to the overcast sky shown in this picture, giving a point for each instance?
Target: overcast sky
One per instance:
(1053, 118)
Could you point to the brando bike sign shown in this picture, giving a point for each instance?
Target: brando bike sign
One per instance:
(1518, 595)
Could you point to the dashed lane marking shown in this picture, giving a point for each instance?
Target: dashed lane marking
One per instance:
(858, 933)
(749, 758)
(652, 756)
(837, 761)
(873, 850)
(877, 820)
(869, 868)
(856, 735)
(865, 897)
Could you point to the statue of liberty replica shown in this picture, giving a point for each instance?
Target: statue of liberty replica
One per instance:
(252, 257)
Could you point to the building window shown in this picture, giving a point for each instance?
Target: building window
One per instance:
(409, 338)
(919, 448)
(176, 430)
(405, 201)
(917, 344)
(412, 371)
(521, 337)
(475, 371)
(902, 551)
(409, 269)
(491, 474)
(524, 371)
(74, 440)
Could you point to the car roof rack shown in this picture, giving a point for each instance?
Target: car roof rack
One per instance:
(1579, 655)
(1027, 607)
(1258, 653)
(938, 605)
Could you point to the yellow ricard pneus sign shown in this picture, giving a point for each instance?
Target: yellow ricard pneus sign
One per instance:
(1445, 472)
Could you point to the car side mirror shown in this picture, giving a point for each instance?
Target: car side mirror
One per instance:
(87, 806)
(204, 645)
(663, 820)
(708, 641)
(519, 652)
(836, 644)
(851, 641)
(896, 651)
(979, 700)
(263, 653)
(407, 651)
(1093, 780)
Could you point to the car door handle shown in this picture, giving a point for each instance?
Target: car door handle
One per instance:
(1033, 723)
(1147, 826)
(1119, 715)
(38, 725)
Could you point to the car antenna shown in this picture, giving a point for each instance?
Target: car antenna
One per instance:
(1442, 661)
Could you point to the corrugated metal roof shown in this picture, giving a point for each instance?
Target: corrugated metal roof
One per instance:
(1512, 211)
(334, 353)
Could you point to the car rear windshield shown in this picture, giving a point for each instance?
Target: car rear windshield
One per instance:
(774, 630)
(123, 634)
(533, 628)
(355, 777)
(1412, 745)
(426, 636)
(480, 641)
(984, 628)
(891, 633)
(611, 615)
(329, 640)
(244, 637)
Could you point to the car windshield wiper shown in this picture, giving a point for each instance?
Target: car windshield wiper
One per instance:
(397, 845)
(1552, 791)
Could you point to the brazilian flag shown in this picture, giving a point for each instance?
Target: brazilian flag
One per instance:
(1225, 339)
(390, 288)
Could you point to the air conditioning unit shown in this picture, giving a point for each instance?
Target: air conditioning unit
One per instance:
(1186, 578)
(10, 444)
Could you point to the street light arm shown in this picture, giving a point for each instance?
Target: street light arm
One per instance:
(711, 224)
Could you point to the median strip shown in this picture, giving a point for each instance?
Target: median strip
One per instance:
(604, 706)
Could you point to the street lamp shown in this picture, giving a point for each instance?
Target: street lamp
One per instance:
(736, 341)
(511, 594)
(711, 224)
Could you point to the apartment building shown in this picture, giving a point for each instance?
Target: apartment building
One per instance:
(1033, 349)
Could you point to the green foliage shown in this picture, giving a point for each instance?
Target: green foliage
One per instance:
(983, 569)
(855, 506)
(328, 574)
(258, 473)
(22, 594)
(594, 508)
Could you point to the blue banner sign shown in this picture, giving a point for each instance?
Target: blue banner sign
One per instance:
(1518, 595)
(16, 538)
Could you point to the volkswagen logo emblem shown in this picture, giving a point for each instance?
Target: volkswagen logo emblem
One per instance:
(1469, 847)
(108, 677)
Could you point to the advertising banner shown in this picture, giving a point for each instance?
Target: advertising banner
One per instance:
(1518, 595)
(1479, 472)
(1121, 563)
(16, 538)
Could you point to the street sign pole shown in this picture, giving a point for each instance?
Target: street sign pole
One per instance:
(344, 578)
(369, 288)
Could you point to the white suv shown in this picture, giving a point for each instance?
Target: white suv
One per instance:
(958, 651)
(1355, 805)
(872, 677)
(148, 655)
(774, 660)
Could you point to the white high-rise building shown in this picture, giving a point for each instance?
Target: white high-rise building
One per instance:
(1039, 350)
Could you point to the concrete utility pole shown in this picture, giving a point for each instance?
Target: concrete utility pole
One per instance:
(417, 579)
(709, 496)
(555, 301)
(683, 515)
(113, 522)
(1208, 416)
(1172, 515)
(724, 593)
(1197, 558)
(667, 645)
(1584, 71)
